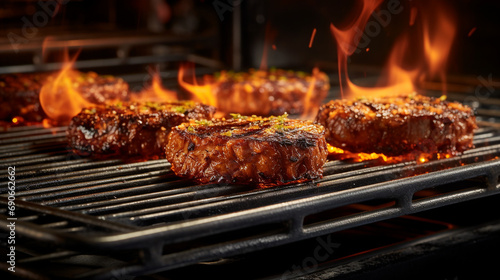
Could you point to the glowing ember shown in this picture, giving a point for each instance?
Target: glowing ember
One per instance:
(46, 123)
(358, 157)
(472, 31)
(340, 154)
(312, 38)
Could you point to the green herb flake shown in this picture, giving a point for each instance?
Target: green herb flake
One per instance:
(361, 98)
(152, 105)
(281, 119)
(179, 109)
(412, 95)
(189, 104)
(203, 122)
(90, 111)
(238, 116)
(301, 74)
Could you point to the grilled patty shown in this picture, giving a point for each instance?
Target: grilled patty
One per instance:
(248, 150)
(131, 129)
(19, 96)
(398, 125)
(19, 93)
(266, 93)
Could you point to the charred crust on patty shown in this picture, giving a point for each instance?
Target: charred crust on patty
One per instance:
(248, 150)
(139, 129)
(399, 125)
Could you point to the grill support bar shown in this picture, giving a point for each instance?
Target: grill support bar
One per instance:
(291, 213)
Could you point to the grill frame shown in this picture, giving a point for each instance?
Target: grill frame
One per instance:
(282, 209)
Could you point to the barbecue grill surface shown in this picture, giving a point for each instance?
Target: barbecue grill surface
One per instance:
(147, 219)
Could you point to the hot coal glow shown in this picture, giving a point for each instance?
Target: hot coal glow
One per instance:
(418, 157)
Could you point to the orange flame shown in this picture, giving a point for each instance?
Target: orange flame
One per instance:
(156, 92)
(413, 15)
(203, 93)
(59, 96)
(308, 108)
(45, 43)
(348, 38)
(438, 33)
(270, 35)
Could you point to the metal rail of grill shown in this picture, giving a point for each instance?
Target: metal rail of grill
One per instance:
(140, 214)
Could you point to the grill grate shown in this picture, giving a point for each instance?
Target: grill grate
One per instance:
(141, 214)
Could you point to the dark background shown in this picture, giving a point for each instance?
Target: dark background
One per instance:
(294, 21)
(291, 22)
